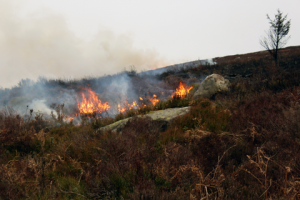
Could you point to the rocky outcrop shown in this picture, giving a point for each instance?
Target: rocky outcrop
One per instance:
(115, 127)
(165, 117)
(211, 85)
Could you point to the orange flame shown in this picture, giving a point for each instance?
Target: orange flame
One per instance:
(121, 110)
(91, 104)
(127, 107)
(154, 100)
(69, 118)
(182, 90)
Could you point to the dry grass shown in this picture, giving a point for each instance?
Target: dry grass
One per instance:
(243, 145)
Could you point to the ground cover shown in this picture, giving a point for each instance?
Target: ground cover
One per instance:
(244, 144)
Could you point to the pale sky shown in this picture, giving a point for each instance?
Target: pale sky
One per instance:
(78, 38)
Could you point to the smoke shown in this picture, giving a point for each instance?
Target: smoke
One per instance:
(45, 96)
(41, 44)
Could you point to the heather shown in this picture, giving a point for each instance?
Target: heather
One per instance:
(243, 144)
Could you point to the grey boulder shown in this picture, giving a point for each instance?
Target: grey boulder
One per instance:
(164, 117)
(211, 85)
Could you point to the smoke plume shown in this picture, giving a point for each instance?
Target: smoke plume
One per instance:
(41, 44)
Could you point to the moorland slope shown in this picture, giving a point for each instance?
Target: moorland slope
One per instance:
(242, 144)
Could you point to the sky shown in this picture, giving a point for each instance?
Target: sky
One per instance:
(73, 39)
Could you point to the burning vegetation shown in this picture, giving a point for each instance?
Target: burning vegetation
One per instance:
(125, 106)
(182, 91)
(244, 144)
(154, 100)
(90, 105)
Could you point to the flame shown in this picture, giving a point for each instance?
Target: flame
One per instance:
(154, 100)
(127, 106)
(68, 118)
(182, 90)
(91, 104)
(121, 110)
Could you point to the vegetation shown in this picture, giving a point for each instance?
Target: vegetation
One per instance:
(244, 144)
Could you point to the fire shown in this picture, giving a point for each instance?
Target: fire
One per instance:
(127, 106)
(91, 104)
(121, 110)
(182, 90)
(68, 118)
(154, 100)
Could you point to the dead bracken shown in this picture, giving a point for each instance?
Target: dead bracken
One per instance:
(240, 144)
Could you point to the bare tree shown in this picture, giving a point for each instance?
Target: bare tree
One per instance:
(274, 40)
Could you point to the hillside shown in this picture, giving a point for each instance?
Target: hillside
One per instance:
(243, 59)
(240, 144)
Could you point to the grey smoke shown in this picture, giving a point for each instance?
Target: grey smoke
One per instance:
(43, 97)
(41, 44)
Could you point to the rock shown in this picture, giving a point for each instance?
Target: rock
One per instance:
(169, 114)
(115, 127)
(211, 85)
(163, 116)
